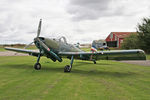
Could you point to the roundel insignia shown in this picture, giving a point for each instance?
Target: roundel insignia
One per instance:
(48, 49)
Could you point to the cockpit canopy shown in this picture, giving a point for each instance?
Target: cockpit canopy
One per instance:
(63, 39)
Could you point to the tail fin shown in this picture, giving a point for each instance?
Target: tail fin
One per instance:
(93, 48)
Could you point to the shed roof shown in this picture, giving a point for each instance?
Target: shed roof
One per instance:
(123, 34)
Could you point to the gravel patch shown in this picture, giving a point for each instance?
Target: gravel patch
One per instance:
(138, 62)
(11, 53)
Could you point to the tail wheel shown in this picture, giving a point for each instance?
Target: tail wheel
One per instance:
(37, 66)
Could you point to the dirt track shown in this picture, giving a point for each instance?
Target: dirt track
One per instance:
(138, 62)
(10, 53)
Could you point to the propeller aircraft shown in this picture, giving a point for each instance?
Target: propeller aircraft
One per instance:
(56, 49)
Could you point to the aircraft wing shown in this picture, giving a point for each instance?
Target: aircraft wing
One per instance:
(108, 55)
(30, 52)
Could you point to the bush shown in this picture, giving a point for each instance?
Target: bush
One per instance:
(130, 42)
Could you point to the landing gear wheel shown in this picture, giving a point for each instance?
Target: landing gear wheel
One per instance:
(67, 68)
(94, 62)
(37, 66)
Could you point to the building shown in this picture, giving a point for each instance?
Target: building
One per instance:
(115, 39)
(99, 43)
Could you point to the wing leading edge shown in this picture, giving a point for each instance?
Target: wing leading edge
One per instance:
(30, 52)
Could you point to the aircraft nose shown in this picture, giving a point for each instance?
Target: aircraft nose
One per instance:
(39, 41)
(41, 38)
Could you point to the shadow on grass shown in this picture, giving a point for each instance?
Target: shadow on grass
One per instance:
(78, 64)
(83, 72)
(91, 63)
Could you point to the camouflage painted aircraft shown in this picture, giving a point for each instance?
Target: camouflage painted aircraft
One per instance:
(56, 49)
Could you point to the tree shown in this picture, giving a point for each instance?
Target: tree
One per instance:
(143, 33)
(130, 42)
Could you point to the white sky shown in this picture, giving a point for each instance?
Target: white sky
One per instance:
(78, 20)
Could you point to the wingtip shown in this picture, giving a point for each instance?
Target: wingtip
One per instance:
(6, 48)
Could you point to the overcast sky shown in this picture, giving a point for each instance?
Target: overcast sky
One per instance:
(78, 20)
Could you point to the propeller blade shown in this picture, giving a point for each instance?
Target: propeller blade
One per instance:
(39, 28)
(28, 45)
(42, 44)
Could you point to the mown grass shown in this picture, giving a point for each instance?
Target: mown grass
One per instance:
(148, 56)
(106, 80)
(2, 48)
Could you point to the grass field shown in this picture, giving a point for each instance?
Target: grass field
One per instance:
(106, 80)
(148, 56)
(2, 49)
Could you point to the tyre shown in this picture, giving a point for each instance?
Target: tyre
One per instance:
(37, 66)
(67, 68)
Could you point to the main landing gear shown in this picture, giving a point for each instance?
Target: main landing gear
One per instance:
(37, 65)
(67, 68)
(94, 61)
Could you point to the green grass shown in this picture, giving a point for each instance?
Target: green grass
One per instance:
(106, 80)
(148, 56)
(2, 48)
(85, 49)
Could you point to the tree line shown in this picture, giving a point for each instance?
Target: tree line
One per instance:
(141, 40)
